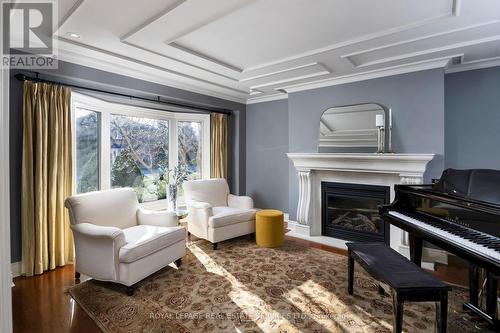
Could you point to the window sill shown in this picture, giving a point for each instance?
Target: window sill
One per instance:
(160, 205)
(155, 205)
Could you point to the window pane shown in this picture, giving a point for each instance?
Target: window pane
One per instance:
(139, 155)
(189, 133)
(87, 150)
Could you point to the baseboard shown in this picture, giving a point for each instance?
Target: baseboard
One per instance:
(297, 228)
(428, 254)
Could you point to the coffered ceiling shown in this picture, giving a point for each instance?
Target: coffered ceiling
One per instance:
(255, 50)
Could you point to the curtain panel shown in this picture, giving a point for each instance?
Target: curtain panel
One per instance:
(46, 177)
(218, 145)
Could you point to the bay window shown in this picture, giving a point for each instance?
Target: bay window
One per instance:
(117, 145)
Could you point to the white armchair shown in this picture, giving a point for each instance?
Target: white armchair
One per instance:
(216, 215)
(116, 240)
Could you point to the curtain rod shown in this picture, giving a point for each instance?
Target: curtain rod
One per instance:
(204, 109)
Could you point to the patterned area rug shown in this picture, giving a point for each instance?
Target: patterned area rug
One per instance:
(244, 288)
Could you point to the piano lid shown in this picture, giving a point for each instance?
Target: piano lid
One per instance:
(475, 184)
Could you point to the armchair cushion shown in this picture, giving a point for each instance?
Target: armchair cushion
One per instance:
(116, 207)
(159, 218)
(212, 191)
(241, 202)
(223, 216)
(143, 240)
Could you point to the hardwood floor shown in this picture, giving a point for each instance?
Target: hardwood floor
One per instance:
(40, 303)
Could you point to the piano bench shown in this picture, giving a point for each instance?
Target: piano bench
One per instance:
(407, 281)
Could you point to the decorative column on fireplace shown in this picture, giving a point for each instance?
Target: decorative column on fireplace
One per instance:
(350, 211)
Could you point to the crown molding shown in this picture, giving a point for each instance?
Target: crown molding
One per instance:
(131, 71)
(267, 98)
(475, 64)
(420, 38)
(373, 74)
(427, 51)
(180, 61)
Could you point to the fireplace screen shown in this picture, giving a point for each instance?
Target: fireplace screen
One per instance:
(350, 211)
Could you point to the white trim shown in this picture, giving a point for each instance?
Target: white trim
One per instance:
(293, 78)
(149, 21)
(441, 62)
(412, 40)
(5, 267)
(105, 109)
(427, 51)
(205, 56)
(288, 69)
(453, 12)
(404, 165)
(131, 70)
(474, 64)
(267, 98)
(428, 254)
(373, 74)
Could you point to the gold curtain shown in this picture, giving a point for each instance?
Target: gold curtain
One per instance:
(47, 177)
(218, 145)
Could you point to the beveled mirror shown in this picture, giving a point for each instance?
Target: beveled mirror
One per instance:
(351, 128)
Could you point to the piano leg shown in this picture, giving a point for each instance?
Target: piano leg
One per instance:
(473, 284)
(490, 313)
(416, 246)
(491, 296)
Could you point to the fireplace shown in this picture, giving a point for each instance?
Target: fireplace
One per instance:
(350, 211)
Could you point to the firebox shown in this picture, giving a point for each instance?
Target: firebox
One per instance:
(350, 211)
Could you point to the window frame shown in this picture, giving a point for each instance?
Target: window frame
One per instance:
(105, 109)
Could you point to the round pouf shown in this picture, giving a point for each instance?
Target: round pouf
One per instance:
(269, 228)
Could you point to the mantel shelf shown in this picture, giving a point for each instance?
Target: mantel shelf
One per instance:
(402, 164)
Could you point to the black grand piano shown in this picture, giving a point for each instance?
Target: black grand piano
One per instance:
(460, 213)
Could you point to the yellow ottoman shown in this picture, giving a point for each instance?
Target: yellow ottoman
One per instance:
(269, 228)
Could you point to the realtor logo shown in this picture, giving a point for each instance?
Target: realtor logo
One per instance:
(27, 34)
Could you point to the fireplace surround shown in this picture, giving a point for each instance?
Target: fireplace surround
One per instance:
(353, 168)
(350, 211)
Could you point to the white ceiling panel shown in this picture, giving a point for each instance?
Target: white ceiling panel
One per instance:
(290, 27)
(255, 49)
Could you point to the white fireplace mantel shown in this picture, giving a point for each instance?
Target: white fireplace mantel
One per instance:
(405, 165)
(365, 168)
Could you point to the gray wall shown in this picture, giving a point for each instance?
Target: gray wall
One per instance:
(417, 102)
(472, 115)
(267, 145)
(89, 77)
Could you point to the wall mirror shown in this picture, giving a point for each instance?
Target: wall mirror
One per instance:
(351, 128)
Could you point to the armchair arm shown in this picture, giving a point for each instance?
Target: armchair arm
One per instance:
(97, 231)
(198, 204)
(242, 202)
(97, 249)
(158, 218)
(198, 215)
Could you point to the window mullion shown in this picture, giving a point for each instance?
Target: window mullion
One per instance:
(205, 142)
(105, 154)
(173, 144)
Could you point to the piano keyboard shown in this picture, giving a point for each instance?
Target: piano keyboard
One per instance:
(472, 240)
